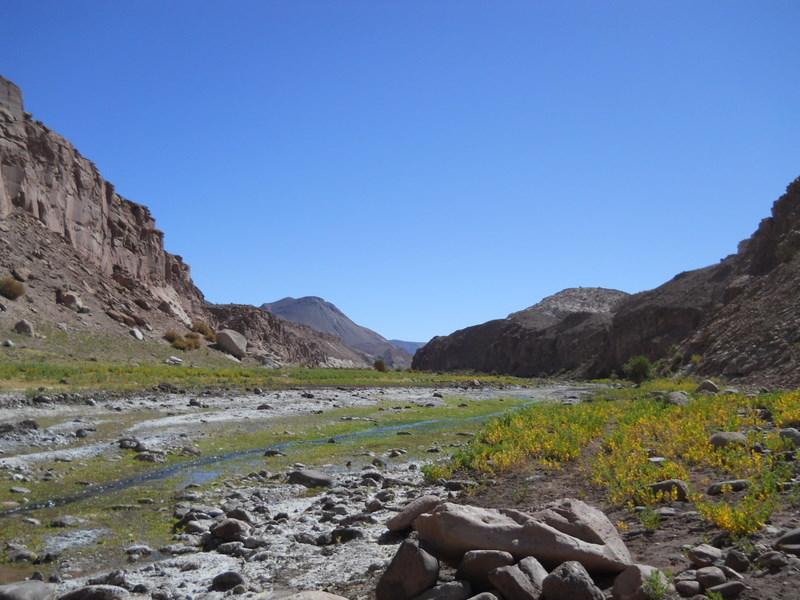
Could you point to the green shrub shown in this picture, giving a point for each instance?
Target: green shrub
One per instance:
(380, 365)
(11, 288)
(638, 369)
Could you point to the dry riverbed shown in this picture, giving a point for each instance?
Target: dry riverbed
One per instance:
(95, 485)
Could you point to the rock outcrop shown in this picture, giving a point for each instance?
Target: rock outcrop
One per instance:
(737, 318)
(45, 177)
(94, 262)
(568, 331)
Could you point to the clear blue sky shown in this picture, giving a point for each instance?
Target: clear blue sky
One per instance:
(425, 165)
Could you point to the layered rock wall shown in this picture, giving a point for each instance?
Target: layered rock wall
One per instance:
(43, 175)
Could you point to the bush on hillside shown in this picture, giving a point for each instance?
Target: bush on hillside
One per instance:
(380, 365)
(190, 342)
(11, 288)
(171, 335)
(638, 369)
(205, 330)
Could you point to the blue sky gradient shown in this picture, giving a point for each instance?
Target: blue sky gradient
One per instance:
(425, 165)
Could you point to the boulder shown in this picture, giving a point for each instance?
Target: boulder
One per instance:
(632, 583)
(477, 564)
(790, 434)
(232, 342)
(577, 532)
(453, 590)
(678, 398)
(24, 327)
(671, 488)
(27, 590)
(96, 592)
(71, 300)
(728, 590)
(411, 572)
(310, 478)
(708, 387)
(227, 581)
(734, 485)
(710, 576)
(230, 530)
(727, 438)
(137, 333)
(522, 581)
(403, 520)
(704, 555)
(571, 580)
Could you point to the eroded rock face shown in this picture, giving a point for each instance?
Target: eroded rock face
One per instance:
(739, 316)
(43, 175)
(452, 530)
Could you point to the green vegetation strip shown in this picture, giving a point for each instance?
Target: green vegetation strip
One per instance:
(614, 437)
(72, 376)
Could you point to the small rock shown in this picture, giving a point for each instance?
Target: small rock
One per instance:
(727, 438)
(24, 327)
(735, 485)
(728, 590)
(411, 572)
(708, 386)
(227, 581)
(671, 488)
(704, 555)
(710, 576)
(571, 580)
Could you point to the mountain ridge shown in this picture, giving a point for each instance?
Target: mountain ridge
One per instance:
(323, 316)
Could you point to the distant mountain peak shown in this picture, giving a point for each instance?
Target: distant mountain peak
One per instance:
(326, 317)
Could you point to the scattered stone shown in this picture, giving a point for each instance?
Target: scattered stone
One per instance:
(630, 584)
(310, 479)
(453, 590)
(230, 530)
(411, 572)
(728, 590)
(790, 434)
(727, 438)
(227, 581)
(9, 344)
(704, 555)
(707, 386)
(174, 360)
(671, 488)
(571, 580)
(24, 327)
(477, 564)
(678, 398)
(137, 333)
(523, 581)
(710, 576)
(737, 560)
(734, 485)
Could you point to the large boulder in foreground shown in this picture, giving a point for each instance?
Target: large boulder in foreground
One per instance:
(568, 531)
(232, 342)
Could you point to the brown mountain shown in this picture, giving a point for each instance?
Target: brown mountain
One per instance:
(738, 318)
(325, 317)
(93, 262)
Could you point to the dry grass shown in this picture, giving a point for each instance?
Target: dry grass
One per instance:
(11, 288)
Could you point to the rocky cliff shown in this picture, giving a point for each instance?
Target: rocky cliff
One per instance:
(45, 177)
(94, 262)
(737, 318)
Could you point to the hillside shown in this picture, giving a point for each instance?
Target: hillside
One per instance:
(93, 265)
(325, 317)
(737, 318)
